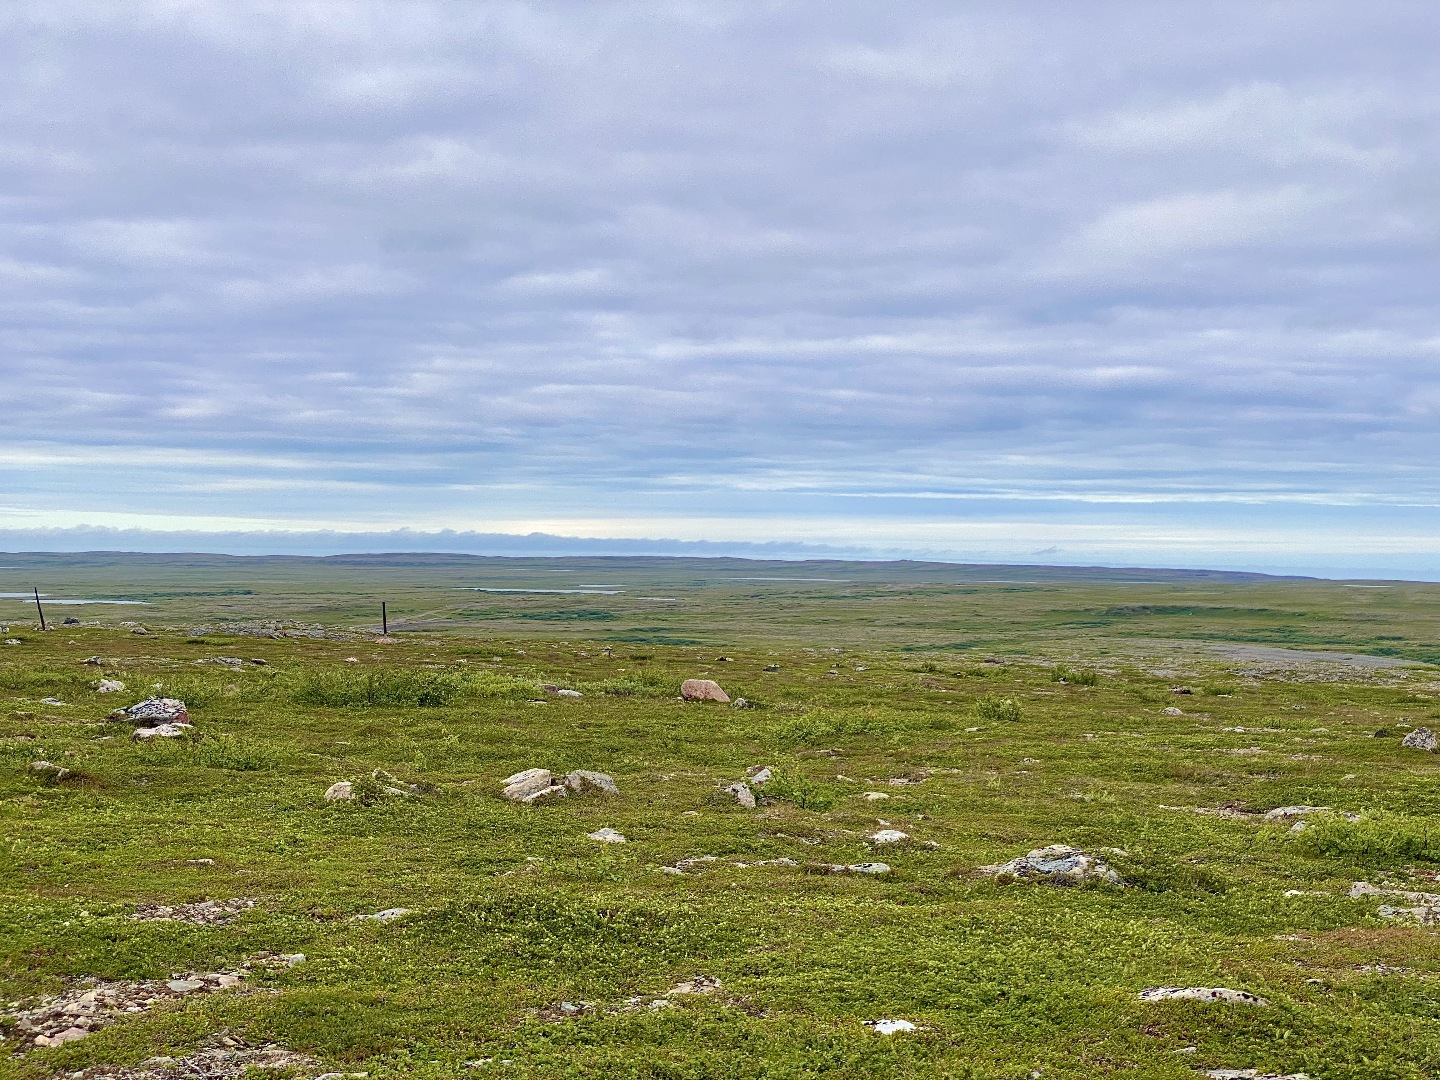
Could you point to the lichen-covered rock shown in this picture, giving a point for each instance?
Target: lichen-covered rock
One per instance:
(703, 690)
(546, 794)
(583, 781)
(889, 836)
(1057, 864)
(154, 711)
(341, 791)
(1291, 813)
(1421, 739)
(607, 836)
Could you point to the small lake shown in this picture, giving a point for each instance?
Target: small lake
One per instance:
(582, 592)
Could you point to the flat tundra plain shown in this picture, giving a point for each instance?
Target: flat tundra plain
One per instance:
(999, 822)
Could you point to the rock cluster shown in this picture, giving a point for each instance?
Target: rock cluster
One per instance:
(742, 791)
(1057, 864)
(75, 1014)
(157, 718)
(703, 690)
(541, 785)
(229, 1061)
(109, 686)
(48, 770)
(1425, 907)
(379, 784)
(203, 913)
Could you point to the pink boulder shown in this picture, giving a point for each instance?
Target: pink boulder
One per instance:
(703, 690)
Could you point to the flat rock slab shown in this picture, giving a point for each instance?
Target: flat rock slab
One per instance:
(154, 711)
(1201, 993)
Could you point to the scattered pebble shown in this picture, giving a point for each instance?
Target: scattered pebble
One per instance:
(203, 913)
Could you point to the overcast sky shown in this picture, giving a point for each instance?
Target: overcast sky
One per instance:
(1065, 282)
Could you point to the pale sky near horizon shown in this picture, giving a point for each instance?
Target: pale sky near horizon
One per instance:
(1137, 283)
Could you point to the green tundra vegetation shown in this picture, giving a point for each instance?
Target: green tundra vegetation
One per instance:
(1150, 719)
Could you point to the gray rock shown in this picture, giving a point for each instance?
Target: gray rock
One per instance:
(758, 775)
(185, 986)
(1057, 864)
(740, 703)
(607, 836)
(109, 686)
(1250, 1074)
(568, 693)
(48, 770)
(159, 711)
(546, 794)
(340, 791)
(867, 868)
(1290, 813)
(583, 781)
(1421, 739)
(742, 793)
(523, 784)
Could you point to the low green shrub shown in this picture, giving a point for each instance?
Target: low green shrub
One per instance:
(1074, 676)
(806, 794)
(995, 709)
(1380, 838)
(228, 752)
(823, 725)
(380, 687)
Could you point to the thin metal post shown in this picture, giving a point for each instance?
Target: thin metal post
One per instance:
(384, 620)
(38, 608)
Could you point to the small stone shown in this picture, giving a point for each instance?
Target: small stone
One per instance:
(384, 916)
(54, 701)
(340, 791)
(109, 686)
(223, 980)
(69, 1035)
(759, 775)
(867, 868)
(1289, 813)
(70, 621)
(258, 661)
(703, 690)
(1171, 710)
(582, 781)
(874, 796)
(163, 731)
(889, 836)
(607, 836)
(742, 793)
(771, 667)
(1201, 993)
(140, 630)
(49, 770)
(889, 1027)
(740, 703)
(1421, 739)
(184, 986)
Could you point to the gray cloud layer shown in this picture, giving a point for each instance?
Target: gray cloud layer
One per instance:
(456, 263)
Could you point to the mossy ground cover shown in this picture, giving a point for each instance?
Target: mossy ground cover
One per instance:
(514, 909)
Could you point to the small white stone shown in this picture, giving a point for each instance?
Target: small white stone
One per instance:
(340, 791)
(386, 915)
(607, 836)
(889, 1027)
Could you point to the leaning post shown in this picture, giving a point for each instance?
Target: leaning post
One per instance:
(38, 608)
(384, 620)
